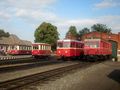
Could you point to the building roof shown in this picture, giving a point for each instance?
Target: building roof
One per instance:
(14, 40)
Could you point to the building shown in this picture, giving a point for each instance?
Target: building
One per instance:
(106, 36)
(12, 40)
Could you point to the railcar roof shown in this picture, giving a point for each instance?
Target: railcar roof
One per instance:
(69, 40)
(92, 39)
(39, 43)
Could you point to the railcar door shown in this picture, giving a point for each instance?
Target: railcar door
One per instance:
(114, 49)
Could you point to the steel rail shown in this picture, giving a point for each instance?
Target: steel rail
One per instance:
(21, 82)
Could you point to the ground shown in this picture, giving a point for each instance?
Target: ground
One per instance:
(103, 76)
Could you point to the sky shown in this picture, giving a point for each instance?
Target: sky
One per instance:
(22, 17)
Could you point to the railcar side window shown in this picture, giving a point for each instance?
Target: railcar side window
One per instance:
(40, 47)
(35, 47)
(92, 44)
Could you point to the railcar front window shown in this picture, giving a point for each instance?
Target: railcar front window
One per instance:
(60, 44)
(66, 44)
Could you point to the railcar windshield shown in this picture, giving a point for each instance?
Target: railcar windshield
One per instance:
(92, 44)
(60, 44)
(66, 44)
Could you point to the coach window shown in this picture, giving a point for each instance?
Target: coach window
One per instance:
(35, 47)
(29, 48)
(60, 44)
(20, 47)
(24, 48)
(47, 47)
(66, 44)
(72, 44)
(97, 44)
(78, 45)
(42, 47)
(39, 47)
(12, 47)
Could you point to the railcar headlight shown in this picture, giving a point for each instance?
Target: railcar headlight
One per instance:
(66, 51)
(59, 51)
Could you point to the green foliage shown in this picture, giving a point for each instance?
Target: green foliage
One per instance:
(47, 33)
(101, 28)
(4, 34)
(83, 31)
(73, 30)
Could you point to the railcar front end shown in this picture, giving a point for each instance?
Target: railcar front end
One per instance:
(69, 48)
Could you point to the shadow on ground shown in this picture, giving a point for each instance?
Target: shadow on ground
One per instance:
(115, 75)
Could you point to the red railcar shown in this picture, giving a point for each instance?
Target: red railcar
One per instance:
(69, 48)
(40, 50)
(97, 48)
(19, 50)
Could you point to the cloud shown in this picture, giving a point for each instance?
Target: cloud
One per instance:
(27, 3)
(33, 9)
(4, 15)
(107, 4)
(35, 14)
(113, 21)
(76, 22)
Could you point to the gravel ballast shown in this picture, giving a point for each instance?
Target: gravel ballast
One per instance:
(26, 72)
(95, 77)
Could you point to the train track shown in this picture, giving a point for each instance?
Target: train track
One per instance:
(32, 79)
(25, 65)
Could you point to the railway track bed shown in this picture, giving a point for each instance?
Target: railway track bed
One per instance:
(45, 72)
(4, 76)
(24, 66)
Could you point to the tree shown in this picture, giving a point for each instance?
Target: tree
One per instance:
(4, 34)
(47, 33)
(72, 32)
(83, 31)
(101, 28)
